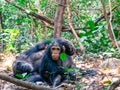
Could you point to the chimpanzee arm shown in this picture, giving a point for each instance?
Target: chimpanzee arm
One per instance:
(38, 47)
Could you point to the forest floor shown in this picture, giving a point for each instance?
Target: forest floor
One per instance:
(108, 70)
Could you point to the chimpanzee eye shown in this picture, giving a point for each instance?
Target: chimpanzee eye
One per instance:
(58, 49)
(53, 48)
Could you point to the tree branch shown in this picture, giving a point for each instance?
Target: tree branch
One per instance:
(41, 17)
(22, 83)
(51, 22)
(72, 29)
(102, 16)
(110, 29)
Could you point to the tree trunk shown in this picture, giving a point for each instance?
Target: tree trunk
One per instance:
(58, 18)
(2, 42)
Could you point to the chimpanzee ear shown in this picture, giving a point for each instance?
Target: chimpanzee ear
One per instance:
(63, 48)
(69, 47)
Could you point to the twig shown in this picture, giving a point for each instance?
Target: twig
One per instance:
(102, 16)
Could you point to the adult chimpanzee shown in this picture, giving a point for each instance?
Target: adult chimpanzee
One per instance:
(52, 66)
(29, 60)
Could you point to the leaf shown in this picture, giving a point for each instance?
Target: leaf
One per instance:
(19, 75)
(63, 56)
(43, 3)
(22, 76)
(78, 85)
(105, 88)
(26, 76)
(91, 24)
(118, 0)
(105, 1)
(109, 82)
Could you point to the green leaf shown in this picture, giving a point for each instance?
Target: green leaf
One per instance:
(110, 83)
(78, 85)
(19, 75)
(91, 24)
(43, 3)
(68, 69)
(63, 56)
(105, 1)
(26, 76)
(118, 0)
(105, 88)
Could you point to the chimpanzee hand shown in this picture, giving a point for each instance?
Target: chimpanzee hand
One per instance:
(21, 67)
(60, 70)
(72, 75)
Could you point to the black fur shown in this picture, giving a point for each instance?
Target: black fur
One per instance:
(38, 62)
(49, 69)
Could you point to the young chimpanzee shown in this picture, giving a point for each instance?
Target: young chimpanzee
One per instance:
(56, 57)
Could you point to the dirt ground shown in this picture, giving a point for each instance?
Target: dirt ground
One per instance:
(108, 71)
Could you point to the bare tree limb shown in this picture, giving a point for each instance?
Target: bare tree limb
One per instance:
(23, 83)
(96, 21)
(72, 29)
(102, 16)
(41, 17)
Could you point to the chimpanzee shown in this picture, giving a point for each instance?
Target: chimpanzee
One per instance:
(29, 60)
(52, 66)
(43, 61)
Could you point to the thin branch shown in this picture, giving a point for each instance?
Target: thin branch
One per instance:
(22, 83)
(96, 21)
(110, 29)
(72, 29)
(41, 17)
(102, 16)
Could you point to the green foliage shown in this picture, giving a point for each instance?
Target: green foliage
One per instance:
(110, 83)
(22, 30)
(22, 76)
(79, 85)
(91, 24)
(105, 88)
(43, 3)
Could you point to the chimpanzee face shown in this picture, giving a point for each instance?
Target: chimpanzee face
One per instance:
(55, 52)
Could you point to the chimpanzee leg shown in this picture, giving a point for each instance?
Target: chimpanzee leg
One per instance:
(34, 78)
(57, 80)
